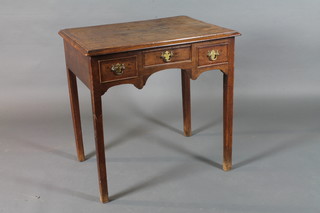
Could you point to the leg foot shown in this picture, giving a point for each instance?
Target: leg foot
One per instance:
(226, 166)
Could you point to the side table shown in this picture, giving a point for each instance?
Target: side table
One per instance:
(128, 53)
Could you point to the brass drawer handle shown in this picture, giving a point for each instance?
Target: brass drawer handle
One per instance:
(213, 55)
(166, 56)
(118, 69)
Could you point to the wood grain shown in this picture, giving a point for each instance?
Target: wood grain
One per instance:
(111, 38)
(77, 63)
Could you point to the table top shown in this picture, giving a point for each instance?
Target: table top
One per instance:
(111, 38)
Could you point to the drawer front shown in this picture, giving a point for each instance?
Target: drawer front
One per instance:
(212, 54)
(118, 69)
(166, 55)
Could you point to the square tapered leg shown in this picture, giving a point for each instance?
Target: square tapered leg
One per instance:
(75, 111)
(186, 103)
(227, 119)
(99, 141)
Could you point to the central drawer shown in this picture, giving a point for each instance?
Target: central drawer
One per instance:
(166, 55)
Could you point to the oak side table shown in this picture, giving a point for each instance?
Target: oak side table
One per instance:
(128, 53)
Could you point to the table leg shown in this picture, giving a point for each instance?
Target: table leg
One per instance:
(227, 119)
(186, 105)
(74, 102)
(99, 141)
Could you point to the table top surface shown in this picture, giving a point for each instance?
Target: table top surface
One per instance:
(111, 38)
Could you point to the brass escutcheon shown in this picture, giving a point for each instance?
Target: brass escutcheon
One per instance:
(213, 55)
(118, 68)
(166, 56)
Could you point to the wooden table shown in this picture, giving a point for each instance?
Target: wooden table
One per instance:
(128, 53)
